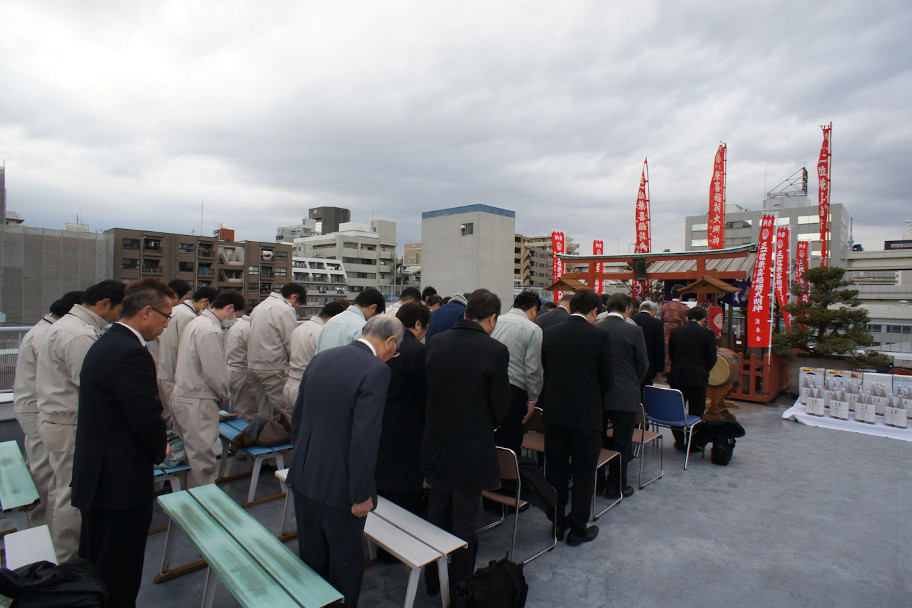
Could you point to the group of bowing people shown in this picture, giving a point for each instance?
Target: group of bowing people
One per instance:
(423, 435)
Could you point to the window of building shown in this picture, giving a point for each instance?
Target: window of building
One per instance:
(187, 247)
(699, 227)
(466, 229)
(131, 243)
(808, 219)
(699, 243)
(281, 255)
(185, 266)
(254, 270)
(350, 245)
(129, 264)
(152, 244)
(281, 271)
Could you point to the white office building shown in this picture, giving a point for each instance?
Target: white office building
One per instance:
(367, 253)
(465, 248)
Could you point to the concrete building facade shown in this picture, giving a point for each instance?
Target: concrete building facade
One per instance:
(367, 252)
(254, 268)
(41, 264)
(742, 226)
(533, 267)
(324, 279)
(328, 219)
(465, 248)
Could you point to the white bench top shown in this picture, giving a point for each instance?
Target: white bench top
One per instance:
(29, 546)
(403, 545)
(423, 530)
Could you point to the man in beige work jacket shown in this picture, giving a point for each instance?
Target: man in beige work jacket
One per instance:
(201, 382)
(57, 378)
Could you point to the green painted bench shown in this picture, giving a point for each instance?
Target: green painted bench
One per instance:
(252, 563)
(17, 490)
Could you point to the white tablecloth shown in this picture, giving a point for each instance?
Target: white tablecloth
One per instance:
(798, 413)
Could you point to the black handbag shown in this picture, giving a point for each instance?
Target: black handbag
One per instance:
(44, 585)
(501, 584)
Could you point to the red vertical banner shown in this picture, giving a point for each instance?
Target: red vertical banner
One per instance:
(802, 263)
(598, 248)
(557, 246)
(716, 225)
(823, 192)
(782, 272)
(643, 229)
(758, 310)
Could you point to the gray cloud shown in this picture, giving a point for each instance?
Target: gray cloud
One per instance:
(135, 115)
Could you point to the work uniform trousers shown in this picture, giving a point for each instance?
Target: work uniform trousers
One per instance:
(572, 451)
(292, 386)
(114, 540)
(197, 422)
(455, 511)
(165, 391)
(66, 521)
(330, 540)
(270, 391)
(695, 398)
(243, 394)
(36, 457)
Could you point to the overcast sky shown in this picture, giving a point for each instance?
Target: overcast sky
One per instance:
(132, 114)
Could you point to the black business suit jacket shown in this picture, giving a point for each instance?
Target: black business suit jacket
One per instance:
(628, 363)
(398, 461)
(692, 349)
(336, 426)
(120, 434)
(576, 357)
(550, 319)
(654, 336)
(468, 395)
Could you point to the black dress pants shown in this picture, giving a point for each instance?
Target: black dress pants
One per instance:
(621, 441)
(456, 512)
(510, 432)
(114, 540)
(695, 398)
(330, 542)
(572, 451)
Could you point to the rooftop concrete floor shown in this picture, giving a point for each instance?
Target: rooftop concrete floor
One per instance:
(801, 517)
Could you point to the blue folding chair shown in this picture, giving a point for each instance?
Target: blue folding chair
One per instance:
(665, 407)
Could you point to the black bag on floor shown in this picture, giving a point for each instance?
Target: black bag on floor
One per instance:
(500, 585)
(44, 585)
(723, 446)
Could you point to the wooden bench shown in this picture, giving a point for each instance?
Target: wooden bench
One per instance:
(17, 490)
(412, 540)
(228, 430)
(27, 547)
(257, 568)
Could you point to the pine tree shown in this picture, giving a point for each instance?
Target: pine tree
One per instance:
(831, 323)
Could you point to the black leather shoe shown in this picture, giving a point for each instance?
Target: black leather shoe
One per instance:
(560, 530)
(591, 532)
(627, 491)
(680, 446)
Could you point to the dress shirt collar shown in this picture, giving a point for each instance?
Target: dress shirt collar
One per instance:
(369, 345)
(135, 333)
(581, 316)
(616, 314)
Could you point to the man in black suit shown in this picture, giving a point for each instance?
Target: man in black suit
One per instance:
(468, 395)
(120, 437)
(576, 357)
(558, 315)
(654, 336)
(692, 349)
(399, 476)
(336, 432)
(629, 364)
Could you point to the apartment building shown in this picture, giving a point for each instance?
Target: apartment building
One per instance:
(367, 253)
(254, 268)
(324, 279)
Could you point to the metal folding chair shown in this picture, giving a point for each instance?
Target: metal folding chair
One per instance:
(509, 470)
(666, 407)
